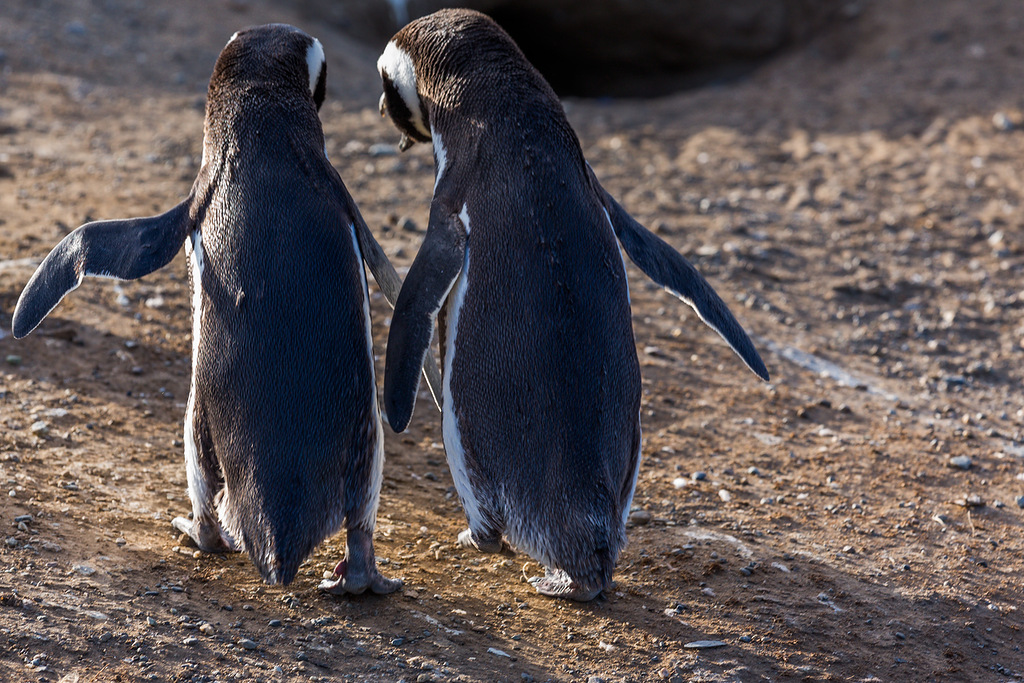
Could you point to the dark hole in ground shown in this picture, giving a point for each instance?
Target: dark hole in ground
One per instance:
(595, 65)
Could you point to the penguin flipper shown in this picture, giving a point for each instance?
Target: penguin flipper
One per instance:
(668, 268)
(390, 284)
(434, 271)
(123, 249)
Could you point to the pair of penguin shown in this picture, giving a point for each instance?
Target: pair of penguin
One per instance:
(519, 270)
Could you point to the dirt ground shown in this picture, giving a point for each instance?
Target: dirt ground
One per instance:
(857, 201)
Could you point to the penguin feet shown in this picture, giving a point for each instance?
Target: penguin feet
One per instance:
(206, 534)
(358, 573)
(493, 544)
(557, 584)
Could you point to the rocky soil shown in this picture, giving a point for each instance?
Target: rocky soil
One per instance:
(858, 519)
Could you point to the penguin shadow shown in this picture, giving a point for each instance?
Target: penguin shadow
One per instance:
(88, 358)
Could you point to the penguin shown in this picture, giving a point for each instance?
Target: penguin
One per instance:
(521, 273)
(282, 433)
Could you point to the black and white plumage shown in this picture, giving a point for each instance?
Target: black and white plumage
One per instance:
(283, 436)
(521, 271)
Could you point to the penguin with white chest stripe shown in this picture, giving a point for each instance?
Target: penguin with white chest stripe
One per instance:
(521, 271)
(283, 436)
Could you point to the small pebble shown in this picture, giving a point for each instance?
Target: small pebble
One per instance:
(704, 644)
(106, 636)
(699, 476)
(40, 428)
(13, 360)
(151, 621)
(12, 542)
(407, 224)
(120, 541)
(23, 518)
(961, 461)
(275, 622)
(247, 644)
(191, 640)
(206, 629)
(745, 639)
(1020, 501)
(301, 656)
(496, 651)
(1002, 122)
(724, 495)
(640, 517)
(397, 641)
(680, 483)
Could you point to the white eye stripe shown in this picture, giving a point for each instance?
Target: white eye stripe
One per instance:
(315, 60)
(397, 65)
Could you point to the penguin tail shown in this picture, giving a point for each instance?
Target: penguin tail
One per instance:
(277, 544)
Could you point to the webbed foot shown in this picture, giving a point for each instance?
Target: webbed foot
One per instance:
(358, 572)
(207, 534)
(557, 584)
(493, 544)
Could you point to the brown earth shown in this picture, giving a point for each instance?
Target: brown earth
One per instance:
(858, 201)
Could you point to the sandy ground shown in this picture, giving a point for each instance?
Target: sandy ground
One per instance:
(858, 202)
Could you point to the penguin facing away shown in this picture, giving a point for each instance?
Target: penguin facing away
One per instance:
(521, 270)
(283, 436)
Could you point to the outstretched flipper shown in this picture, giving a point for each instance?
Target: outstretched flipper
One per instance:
(123, 249)
(390, 285)
(433, 272)
(668, 268)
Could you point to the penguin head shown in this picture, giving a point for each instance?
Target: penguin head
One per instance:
(439, 61)
(275, 57)
(401, 99)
